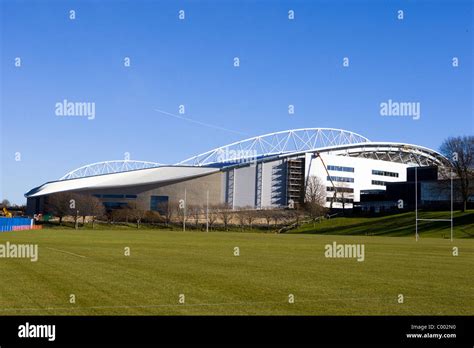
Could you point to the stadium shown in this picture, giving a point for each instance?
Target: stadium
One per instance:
(267, 171)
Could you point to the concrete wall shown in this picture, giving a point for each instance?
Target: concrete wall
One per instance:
(196, 191)
(269, 187)
(245, 186)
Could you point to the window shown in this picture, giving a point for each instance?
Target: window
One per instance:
(115, 196)
(159, 204)
(340, 179)
(340, 189)
(383, 173)
(114, 205)
(340, 199)
(377, 182)
(112, 196)
(341, 169)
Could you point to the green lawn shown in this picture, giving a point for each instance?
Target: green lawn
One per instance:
(164, 264)
(396, 225)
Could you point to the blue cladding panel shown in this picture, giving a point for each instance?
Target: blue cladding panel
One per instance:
(7, 224)
(159, 204)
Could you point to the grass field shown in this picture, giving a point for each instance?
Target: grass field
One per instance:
(202, 266)
(396, 225)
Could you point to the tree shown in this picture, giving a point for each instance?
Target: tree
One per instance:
(315, 197)
(182, 214)
(267, 214)
(60, 204)
(212, 215)
(152, 216)
(344, 194)
(95, 208)
(250, 216)
(241, 217)
(166, 212)
(136, 213)
(195, 213)
(294, 215)
(76, 204)
(5, 203)
(225, 214)
(118, 215)
(460, 152)
(88, 205)
(277, 216)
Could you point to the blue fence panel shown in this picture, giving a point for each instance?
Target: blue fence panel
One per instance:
(7, 224)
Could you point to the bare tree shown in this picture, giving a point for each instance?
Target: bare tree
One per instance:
(250, 216)
(267, 214)
(460, 152)
(195, 212)
(88, 205)
(277, 216)
(241, 215)
(96, 209)
(166, 212)
(182, 214)
(136, 213)
(315, 197)
(225, 214)
(212, 215)
(294, 216)
(152, 216)
(76, 207)
(118, 215)
(344, 194)
(59, 204)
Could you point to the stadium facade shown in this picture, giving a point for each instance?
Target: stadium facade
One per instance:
(271, 170)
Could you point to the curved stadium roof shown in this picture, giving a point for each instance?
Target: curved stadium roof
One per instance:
(273, 145)
(284, 142)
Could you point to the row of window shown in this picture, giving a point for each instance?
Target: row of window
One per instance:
(377, 182)
(383, 173)
(340, 189)
(115, 205)
(159, 204)
(340, 199)
(341, 169)
(340, 179)
(115, 196)
(351, 170)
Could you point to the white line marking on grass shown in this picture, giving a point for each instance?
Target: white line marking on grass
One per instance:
(141, 306)
(223, 304)
(65, 252)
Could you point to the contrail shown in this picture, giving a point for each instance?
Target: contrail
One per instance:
(200, 123)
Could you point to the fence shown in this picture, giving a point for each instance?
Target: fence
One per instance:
(17, 224)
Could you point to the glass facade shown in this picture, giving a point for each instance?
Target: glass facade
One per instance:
(340, 199)
(159, 204)
(340, 189)
(114, 196)
(340, 179)
(114, 205)
(384, 173)
(341, 169)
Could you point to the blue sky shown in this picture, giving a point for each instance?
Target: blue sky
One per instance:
(190, 62)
